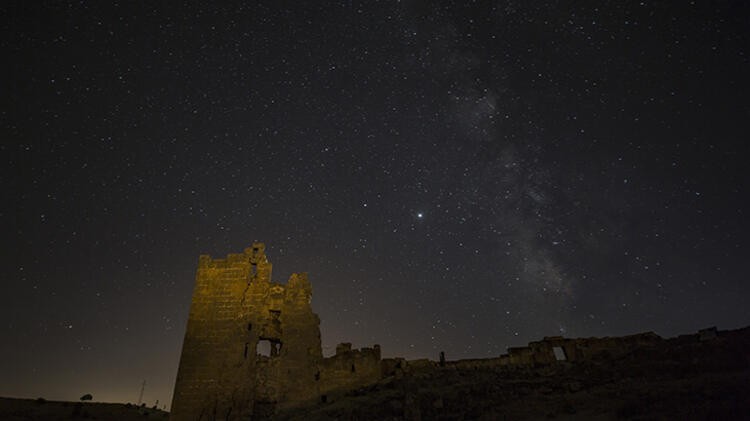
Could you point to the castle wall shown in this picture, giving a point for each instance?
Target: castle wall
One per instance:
(554, 349)
(250, 344)
(348, 369)
(480, 363)
(214, 345)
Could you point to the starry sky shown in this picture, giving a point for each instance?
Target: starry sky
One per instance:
(454, 176)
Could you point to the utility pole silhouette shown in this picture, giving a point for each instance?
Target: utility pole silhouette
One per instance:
(140, 397)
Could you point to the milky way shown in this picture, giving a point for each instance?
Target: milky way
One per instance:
(456, 177)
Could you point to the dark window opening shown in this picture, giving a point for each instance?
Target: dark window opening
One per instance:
(253, 269)
(317, 376)
(354, 370)
(249, 326)
(324, 398)
(255, 250)
(268, 347)
(559, 353)
(246, 346)
(275, 314)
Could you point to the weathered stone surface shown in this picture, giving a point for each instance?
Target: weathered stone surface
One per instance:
(252, 346)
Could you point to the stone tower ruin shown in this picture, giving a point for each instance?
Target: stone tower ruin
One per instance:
(252, 346)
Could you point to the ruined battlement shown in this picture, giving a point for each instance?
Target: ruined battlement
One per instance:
(344, 350)
(252, 262)
(557, 348)
(252, 345)
(348, 369)
(247, 340)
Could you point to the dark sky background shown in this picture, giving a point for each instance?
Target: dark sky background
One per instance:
(455, 176)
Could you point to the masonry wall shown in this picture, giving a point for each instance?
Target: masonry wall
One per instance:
(348, 369)
(216, 329)
(252, 346)
(236, 313)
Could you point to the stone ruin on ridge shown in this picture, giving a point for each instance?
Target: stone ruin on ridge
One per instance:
(252, 349)
(252, 346)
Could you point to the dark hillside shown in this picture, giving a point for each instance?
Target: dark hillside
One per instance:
(40, 409)
(683, 378)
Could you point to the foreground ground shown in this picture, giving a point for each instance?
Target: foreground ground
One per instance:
(683, 380)
(39, 409)
(495, 396)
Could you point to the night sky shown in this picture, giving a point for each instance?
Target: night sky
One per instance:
(458, 177)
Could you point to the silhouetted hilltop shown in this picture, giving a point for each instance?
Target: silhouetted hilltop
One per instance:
(700, 376)
(39, 409)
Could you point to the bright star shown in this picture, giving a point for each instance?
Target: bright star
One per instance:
(420, 215)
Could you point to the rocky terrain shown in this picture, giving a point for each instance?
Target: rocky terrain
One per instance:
(703, 376)
(684, 378)
(40, 409)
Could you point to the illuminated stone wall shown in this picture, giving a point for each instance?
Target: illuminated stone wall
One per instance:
(252, 346)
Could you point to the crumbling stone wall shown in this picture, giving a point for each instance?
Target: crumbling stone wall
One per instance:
(348, 369)
(252, 346)
(553, 349)
(544, 352)
(235, 308)
(480, 363)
